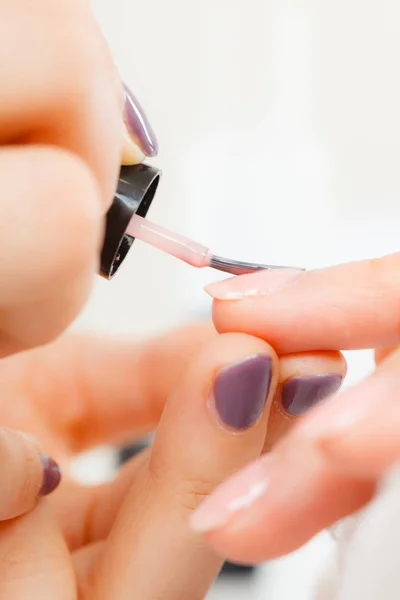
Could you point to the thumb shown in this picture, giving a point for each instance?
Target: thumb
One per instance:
(26, 473)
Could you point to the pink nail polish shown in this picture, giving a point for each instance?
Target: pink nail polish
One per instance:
(237, 494)
(254, 284)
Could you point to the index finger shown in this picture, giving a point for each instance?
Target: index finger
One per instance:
(350, 306)
(93, 389)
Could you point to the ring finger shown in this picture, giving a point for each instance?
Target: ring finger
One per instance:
(305, 379)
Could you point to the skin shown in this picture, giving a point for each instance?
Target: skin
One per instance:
(66, 405)
(330, 463)
(62, 140)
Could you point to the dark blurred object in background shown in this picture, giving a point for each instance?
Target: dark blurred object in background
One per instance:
(127, 452)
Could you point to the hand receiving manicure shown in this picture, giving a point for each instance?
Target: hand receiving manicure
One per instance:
(329, 464)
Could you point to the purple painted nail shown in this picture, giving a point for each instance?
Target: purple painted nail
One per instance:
(299, 394)
(51, 475)
(241, 391)
(138, 125)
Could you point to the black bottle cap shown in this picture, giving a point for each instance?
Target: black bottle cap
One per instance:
(137, 186)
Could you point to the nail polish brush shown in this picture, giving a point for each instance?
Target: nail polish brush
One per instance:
(187, 250)
(126, 221)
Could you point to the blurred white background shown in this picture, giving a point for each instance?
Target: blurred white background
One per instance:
(279, 129)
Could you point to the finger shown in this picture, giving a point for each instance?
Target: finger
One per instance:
(382, 353)
(49, 242)
(305, 380)
(84, 561)
(84, 390)
(358, 432)
(26, 473)
(350, 306)
(214, 423)
(34, 561)
(325, 469)
(300, 494)
(96, 508)
(69, 97)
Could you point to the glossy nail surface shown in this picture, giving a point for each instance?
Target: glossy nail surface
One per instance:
(241, 390)
(299, 394)
(254, 284)
(138, 125)
(51, 475)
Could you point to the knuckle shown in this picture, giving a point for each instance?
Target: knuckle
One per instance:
(186, 493)
(190, 494)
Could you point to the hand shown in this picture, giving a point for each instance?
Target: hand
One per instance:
(61, 138)
(330, 463)
(62, 141)
(209, 397)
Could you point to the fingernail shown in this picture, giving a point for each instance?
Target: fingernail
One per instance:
(299, 394)
(131, 153)
(138, 125)
(239, 493)
(340, 430)
(349, 412)
(254, 284)
(241, 390)
(51, 475)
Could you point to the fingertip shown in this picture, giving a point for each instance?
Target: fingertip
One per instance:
(219, 409)
(225, 317)
(51, 253)
(272, 508)
(251, 285)
(27, 473)
(243, 360)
